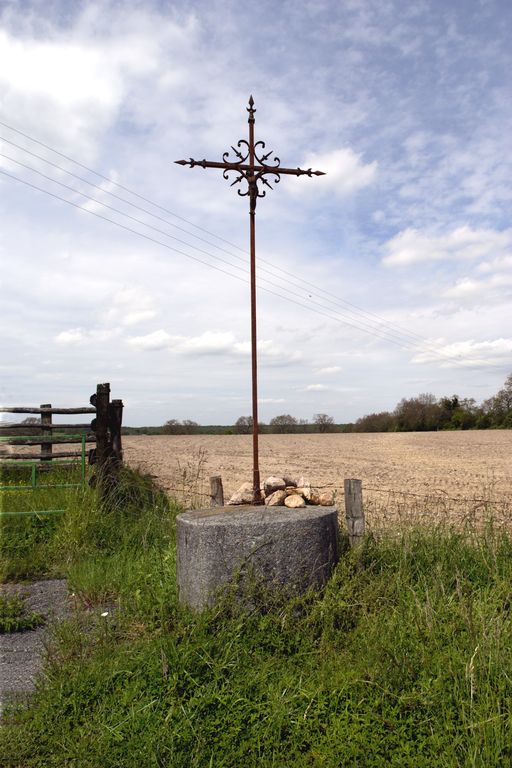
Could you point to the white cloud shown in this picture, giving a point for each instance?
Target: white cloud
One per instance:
(492, 289)
(315, 388)
(69, 75)
(462, 244)
(132, 318)
(212, 343)
(465, 287)
(153, 341)
(69, 84)
(345, 170)
(73, 336)
(469, 353)
(130, 305)
(79, 336)
(329, 371)
(208, 343)
(502, 262)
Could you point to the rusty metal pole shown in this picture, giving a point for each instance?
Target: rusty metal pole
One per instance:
(253, 192)
(252, 167)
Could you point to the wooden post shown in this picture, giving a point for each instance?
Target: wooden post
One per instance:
(46, 431)
(102, 403)
(115, 422)
(354, 512)
(216, 491)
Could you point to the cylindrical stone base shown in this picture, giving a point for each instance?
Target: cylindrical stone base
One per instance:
(290, 549)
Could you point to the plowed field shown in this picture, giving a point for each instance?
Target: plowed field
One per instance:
(455, 476)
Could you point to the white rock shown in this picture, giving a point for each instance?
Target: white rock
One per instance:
(276, 499)
(294, 501)
(274, 484)
(314, 496)
(289, 481)
(244, 495)
(326, 499)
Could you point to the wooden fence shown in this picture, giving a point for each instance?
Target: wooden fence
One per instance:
(104, 431)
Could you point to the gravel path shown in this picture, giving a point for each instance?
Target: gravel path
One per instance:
(21, 653)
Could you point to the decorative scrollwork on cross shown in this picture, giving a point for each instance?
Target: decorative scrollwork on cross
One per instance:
(252, 172)
(251, 164)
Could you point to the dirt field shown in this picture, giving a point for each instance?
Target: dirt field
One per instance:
(454, 475)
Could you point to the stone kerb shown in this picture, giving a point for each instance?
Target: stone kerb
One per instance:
(291, 549)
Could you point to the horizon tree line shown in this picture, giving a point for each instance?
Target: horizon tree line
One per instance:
(422, 413)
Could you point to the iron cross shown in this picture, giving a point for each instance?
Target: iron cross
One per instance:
(254, 169)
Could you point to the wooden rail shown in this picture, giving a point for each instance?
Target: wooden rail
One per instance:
(104, 430)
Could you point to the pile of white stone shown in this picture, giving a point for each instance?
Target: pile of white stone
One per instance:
(284, 491)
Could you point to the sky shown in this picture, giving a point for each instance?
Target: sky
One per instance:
(388, 277)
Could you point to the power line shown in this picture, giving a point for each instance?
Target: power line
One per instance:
(111, 208)
(380, 332)
(384, 330)
(295, 280)
(112, 194)
(118, 224)
(201, 261)
(107, 178)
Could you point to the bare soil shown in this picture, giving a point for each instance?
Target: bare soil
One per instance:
(455, 475)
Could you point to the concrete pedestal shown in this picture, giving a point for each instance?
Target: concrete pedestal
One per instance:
(292, 549)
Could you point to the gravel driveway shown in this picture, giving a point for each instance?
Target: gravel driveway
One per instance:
(21, 653)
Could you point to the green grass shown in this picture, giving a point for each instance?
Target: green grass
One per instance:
(405, 659)
(14, 616)
(30, 543)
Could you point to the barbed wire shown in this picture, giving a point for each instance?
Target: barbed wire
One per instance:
(432, 497)
(437, 495)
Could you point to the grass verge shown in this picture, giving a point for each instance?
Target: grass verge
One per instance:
(405, 659)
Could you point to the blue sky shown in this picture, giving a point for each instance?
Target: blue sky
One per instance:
(397, 264)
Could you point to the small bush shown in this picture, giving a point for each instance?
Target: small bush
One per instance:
(14, 616)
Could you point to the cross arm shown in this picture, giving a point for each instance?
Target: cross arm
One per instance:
(244, 167)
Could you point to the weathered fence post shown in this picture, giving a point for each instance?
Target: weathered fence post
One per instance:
(101, 403)
(216, 491)
(46, 431)
(105, 472)
(354, 512)
(115, 422)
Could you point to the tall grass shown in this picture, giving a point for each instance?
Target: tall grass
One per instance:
(405, 658)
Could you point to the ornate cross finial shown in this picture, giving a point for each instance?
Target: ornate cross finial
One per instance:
(251, 109)
(251, 165)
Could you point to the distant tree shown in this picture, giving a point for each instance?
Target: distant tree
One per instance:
(375, 422)
(499, 408)
(323, 422)
(448, 406)
(417, 414)
(283, 423)
(457, 413)
(243, 425)
(425, 412)
(302, 425)
(189, 426)
(33, 424)
(172, 427)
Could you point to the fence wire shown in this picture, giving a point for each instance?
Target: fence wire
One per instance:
(387, 509)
